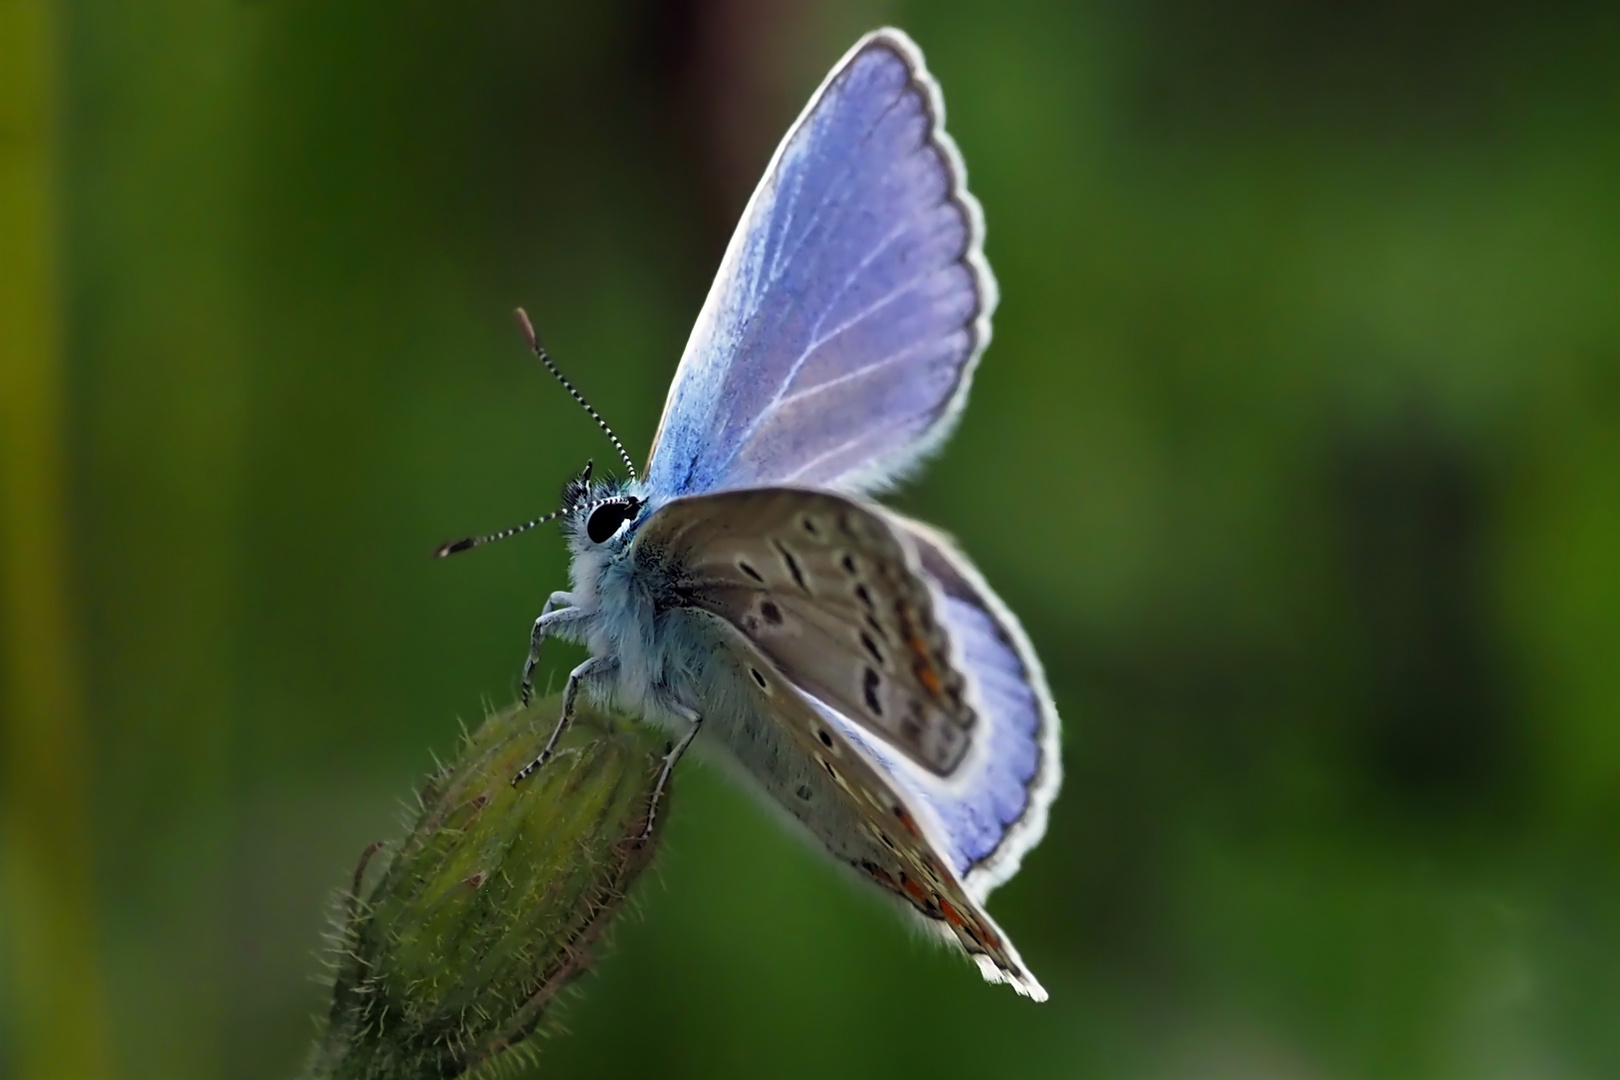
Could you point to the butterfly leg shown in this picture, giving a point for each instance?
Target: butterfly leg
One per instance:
(670, 759)
(556, 604)
(595, 666)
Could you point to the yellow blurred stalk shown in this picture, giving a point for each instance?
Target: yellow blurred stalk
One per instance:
(57, 1028)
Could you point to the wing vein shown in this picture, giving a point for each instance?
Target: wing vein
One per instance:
(849, 376)
(782, 397)
(848, 443)
(834, 197)
(842, 207)
(860, 268)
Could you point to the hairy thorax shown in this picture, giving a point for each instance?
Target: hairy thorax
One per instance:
(620, 618)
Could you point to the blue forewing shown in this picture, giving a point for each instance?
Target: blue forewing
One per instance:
(838, 341)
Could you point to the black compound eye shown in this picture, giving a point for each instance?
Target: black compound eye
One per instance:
(606, 519)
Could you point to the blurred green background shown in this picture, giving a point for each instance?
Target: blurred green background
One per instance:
(1297, 450)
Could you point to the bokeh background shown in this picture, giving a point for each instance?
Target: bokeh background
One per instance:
(1297, 450)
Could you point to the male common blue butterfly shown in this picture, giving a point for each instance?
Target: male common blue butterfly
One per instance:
(850, 660)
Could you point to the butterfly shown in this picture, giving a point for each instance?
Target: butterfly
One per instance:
(850, 661)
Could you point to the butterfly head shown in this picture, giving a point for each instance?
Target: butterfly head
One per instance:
(594, 514)
(601, 512)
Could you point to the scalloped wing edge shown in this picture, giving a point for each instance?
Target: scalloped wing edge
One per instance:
(1022, 836)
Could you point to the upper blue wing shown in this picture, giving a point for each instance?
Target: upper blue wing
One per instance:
(839, 338)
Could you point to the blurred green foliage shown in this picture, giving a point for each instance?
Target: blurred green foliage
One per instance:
(1298, 451)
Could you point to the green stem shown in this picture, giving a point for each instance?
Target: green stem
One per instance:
(451, 957)
(47, 917)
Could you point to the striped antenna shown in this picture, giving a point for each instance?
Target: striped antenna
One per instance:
(539, 350)
(471, 542)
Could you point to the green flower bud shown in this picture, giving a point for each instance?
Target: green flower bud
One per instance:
(449, 958)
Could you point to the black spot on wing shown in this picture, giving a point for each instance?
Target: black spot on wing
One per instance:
(792, 565)
(871, 647)
(870, 682)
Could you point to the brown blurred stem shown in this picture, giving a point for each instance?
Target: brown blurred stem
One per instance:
(450, 955)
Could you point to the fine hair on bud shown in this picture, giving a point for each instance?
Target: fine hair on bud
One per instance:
(453, 945)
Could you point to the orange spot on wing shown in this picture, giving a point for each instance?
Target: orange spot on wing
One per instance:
(905, 821)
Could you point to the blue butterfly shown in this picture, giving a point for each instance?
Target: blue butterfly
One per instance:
(850, 660)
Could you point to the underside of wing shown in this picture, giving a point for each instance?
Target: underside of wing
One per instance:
(826, 588)
(861, 813)
(999, 813)
(838, 341)
(880, 621)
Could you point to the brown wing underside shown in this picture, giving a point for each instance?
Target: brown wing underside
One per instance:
(802, 584)
(826, 589)
(888, 843)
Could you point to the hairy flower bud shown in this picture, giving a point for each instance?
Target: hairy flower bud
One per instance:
(449, 955)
